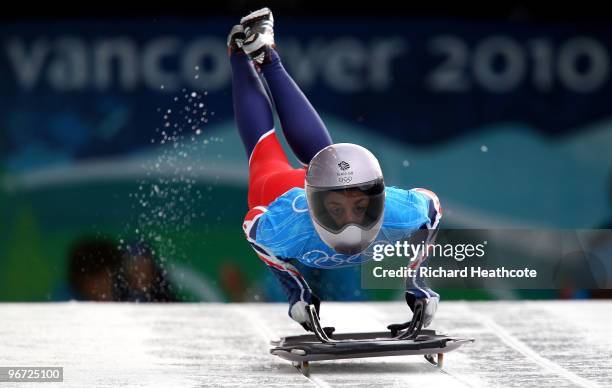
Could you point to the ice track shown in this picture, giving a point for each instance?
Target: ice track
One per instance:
(536, 344)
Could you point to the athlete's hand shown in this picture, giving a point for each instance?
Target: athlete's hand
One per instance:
(432, 302)
(299, 311)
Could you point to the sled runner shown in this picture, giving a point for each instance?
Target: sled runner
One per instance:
(402, 339)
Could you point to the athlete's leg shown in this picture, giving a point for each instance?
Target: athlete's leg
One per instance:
(303, 128)
(252, 108)
(270, 173)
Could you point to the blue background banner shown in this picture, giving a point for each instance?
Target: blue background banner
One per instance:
(509, 123)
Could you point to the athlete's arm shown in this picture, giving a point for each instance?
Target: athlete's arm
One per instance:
(416, 287)
(295, 286)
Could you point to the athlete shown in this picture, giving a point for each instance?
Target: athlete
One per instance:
(328, 213)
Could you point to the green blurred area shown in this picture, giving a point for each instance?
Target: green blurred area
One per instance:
(40, 225)
(34, 246)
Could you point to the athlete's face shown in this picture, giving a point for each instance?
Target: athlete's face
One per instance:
(347, 206)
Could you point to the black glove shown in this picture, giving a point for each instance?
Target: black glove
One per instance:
(430, 296)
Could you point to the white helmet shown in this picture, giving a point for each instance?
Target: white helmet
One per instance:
(345, 191)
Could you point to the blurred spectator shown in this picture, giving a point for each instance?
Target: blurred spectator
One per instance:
(592, 266)
(92, 269)
(602, 247)
(233, 282)
(142, 278)
(608, 224)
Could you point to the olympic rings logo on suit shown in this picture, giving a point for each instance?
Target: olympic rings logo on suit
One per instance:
(322, 259)
(295, 208)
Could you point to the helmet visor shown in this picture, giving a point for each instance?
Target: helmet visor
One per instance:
(336, 208)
